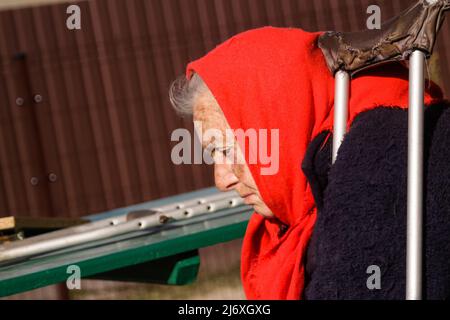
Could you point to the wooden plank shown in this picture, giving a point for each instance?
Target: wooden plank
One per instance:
(7, 223)
(26, 223)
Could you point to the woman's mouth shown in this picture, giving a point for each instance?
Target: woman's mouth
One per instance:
(249, 199)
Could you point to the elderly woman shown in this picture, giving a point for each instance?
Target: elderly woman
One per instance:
(276, 78)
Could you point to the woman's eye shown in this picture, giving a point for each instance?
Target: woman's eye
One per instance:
(228, 152)
(224, 152)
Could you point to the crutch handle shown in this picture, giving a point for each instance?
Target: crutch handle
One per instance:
(415, 28)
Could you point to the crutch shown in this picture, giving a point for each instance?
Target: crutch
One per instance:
(137, 220)
(412, 34)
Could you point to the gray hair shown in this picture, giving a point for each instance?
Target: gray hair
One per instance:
(183, 93)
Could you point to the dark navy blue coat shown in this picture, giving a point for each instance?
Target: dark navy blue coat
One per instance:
(361, 201)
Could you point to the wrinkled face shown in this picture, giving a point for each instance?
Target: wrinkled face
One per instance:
(230, 170)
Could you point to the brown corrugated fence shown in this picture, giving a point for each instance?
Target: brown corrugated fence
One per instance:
(85, 121)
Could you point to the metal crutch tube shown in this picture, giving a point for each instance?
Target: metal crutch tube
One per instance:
(115, 226)
(415, 177)
(341, 97)
(17, 252)
(119, 219)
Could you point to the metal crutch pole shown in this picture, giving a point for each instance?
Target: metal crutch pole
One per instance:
(415, 177)
(32, 246)
(341, 96)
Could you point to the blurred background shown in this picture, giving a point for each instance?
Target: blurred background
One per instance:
(85, 120)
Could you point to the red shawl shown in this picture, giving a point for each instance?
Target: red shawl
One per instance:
(276, 78)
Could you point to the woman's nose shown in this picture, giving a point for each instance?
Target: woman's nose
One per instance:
(224, 177)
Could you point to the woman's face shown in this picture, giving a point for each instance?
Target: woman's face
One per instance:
(230, 170)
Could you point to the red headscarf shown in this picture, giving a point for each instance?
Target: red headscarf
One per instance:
(276, 78)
